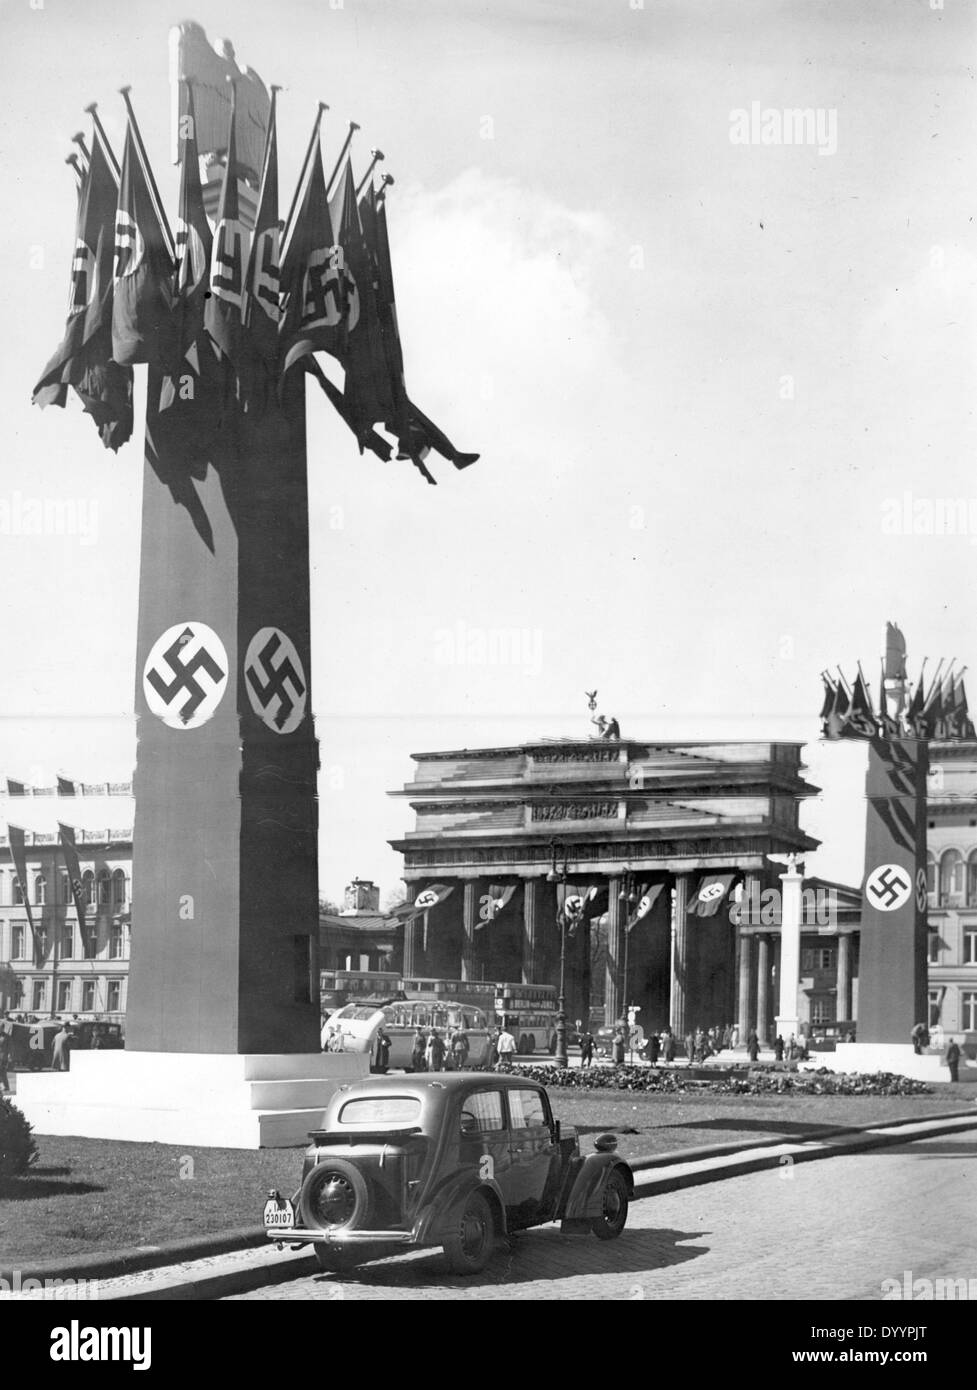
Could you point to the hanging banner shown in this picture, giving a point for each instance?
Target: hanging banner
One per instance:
(496, 900)
(650, 894)
(710, 894)
(18, 854)
(569, 907)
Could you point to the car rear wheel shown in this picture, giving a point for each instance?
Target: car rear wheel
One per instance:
(614, 1213)
(334, 1198)
(469, 1245)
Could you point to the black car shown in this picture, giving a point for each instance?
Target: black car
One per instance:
(457, 1160)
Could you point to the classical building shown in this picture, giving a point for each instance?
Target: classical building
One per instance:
(360, 937)
(651, 837)
(952, 846)
(55, 969)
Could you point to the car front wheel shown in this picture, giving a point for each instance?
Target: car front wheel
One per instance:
(469, 1245)
(614, 1212)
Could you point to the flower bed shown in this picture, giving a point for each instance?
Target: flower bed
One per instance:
(815, 1083)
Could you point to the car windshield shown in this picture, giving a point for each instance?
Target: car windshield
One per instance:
(381, 1110)
(357, 1012)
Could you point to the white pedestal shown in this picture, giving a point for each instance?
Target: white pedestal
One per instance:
(899, 1058)
(787, 1028)
(216, 1101)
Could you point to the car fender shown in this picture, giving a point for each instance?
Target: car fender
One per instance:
(441, 1210)
(586, 1195)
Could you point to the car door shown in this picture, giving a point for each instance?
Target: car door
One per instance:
(533, 1154)
(483, 1144)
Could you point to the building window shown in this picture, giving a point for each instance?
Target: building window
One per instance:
(115, 996)
(968, 1002)
(972, 878)
(970, 948)
(18, 993)
(935, 947)
(951, 878)
(67, 941)
(822, 1008)
(18, 941)
(116, 941)
(119, 887)
(91, 943)
(64, 996)
(40, 891)
(935, 997)
(18, 893)
(65, 889)
(88, 996)
(104, 888)
(39, 996)
(88, 888)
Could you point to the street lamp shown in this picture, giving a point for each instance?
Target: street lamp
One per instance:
(559, 875)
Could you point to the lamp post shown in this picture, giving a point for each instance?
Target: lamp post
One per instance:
(559, 875)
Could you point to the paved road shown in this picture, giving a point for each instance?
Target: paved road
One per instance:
(829, 1230)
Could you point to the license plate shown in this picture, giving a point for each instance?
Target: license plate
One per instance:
(279, 1217)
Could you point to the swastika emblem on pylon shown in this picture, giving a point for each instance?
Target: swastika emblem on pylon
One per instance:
(922, 893)
(185, 675)
(888, 887)
(275, 679)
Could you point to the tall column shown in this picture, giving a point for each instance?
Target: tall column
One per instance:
(680, 904)
(743, 1010)
(409, 966)
(613, 1003)
(791, 911)
(468, 920)
(530, 936)
(843, 998)
(763, 989)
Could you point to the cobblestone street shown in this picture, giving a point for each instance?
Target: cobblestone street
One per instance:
(829, 1230)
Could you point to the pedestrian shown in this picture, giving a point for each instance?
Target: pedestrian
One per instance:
(383, 1051)
(668, 1046)
(61, 1056)
(506, 1047)
(793, 1051)
(586, 1049)
(654, 1049)
(96, 1036)
(459, 1049)
(617, 1046)
(952, 1058)
(698, 1045)
(493, 1052)
(727, 1038)
(920, 1037)
(778, 1049)
(434, 1056)
(753, 1045)
(690, 1048)
(417, 1050)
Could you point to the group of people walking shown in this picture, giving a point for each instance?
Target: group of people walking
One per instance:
(432, 1052)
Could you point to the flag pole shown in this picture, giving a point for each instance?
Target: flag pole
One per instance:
(72, 159)
(148, 171)
(385, 179)
(928, 699)
(304, 171)
(353, 127)
(844, 683)
(79, 139)
(92, 110)
(377, 156)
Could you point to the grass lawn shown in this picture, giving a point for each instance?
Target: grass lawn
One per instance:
(90, 1195)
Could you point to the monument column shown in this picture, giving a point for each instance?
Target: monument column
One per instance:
(791, 913)
(613, 1003)
(763, 989)
(843, 998)
(743, 1002)
(680, 904)
(469, 918)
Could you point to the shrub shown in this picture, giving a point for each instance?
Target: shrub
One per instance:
(744, 1083)
(17, 1147)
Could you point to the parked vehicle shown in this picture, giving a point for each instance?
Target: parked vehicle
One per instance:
(457, 1160)
(357, 1025)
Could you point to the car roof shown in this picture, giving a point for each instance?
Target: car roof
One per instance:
(446, 1081)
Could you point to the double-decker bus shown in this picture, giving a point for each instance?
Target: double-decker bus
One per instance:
(528, 1012)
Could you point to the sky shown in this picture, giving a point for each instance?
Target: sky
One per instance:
(721, 382)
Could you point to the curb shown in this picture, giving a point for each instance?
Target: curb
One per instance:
(118, 1263)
